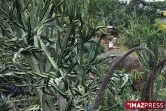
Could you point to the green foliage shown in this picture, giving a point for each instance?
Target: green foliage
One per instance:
(47, 41)
(118, 91)
(141, 32)
(160, 88)
(151, 40)
(5, 104)
(131, 34)
(47, 50)
(107, 12)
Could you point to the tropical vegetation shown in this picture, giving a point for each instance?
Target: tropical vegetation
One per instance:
(50, 57)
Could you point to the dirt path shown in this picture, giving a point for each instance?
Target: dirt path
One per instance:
(116, 52)
(130, 63)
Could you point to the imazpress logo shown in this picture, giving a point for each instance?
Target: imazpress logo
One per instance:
(145, 104)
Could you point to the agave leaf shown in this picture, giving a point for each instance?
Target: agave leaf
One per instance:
(32, 107)
(125, 80)
(44, 10)
(50, 58)
(49, 102)
(49, 20)
(59, 90)
(3, 13)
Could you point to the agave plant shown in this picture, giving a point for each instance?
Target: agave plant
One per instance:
(44, 42)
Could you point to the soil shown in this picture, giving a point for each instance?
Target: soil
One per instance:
(130, 63)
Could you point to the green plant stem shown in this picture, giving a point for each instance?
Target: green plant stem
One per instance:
(35, 68)
(81, 74)
(110, 73)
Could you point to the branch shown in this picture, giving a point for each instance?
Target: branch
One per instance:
(152, 78)
(110, 73)
(154, 75)
(160, 63)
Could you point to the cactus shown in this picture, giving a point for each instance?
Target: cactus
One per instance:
(109, 74)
